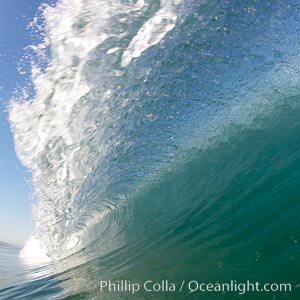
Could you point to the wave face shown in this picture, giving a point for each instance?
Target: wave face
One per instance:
(163, 141)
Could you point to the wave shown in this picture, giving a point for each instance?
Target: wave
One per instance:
(170, 126)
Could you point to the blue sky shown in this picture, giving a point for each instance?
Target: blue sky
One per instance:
(15, 209)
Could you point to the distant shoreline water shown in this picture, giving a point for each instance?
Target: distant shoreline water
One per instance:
(5, 245)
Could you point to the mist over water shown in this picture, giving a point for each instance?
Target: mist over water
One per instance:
(163, 142)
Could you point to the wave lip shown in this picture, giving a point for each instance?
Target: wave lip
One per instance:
(71, 127)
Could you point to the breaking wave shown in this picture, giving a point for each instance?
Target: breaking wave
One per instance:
(164, 135)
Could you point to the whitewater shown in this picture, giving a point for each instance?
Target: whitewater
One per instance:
(163, 141)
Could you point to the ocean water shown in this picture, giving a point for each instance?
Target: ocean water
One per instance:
(163, 139)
